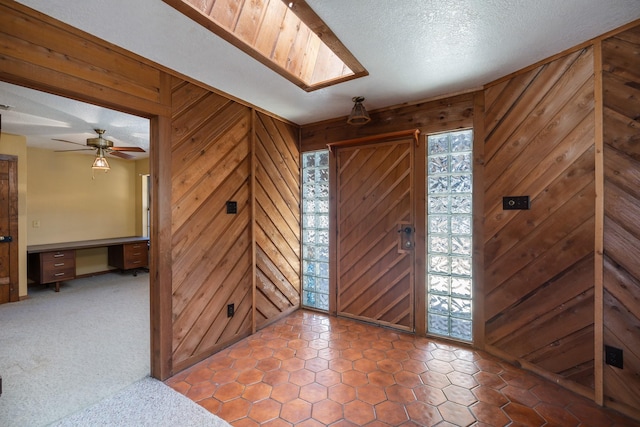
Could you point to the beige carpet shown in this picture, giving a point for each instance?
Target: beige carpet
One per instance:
(62, 353)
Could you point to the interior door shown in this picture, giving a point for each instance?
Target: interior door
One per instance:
(375, 229)
(9, 291)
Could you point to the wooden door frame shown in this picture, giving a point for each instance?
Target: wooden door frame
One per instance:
(418, 205)
(160, 294)
(14, 265)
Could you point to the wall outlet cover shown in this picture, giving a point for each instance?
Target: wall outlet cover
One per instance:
(515, 203)
(613, 356)
(232, 207)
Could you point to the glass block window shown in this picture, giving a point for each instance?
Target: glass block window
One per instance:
(449, 234)
(315, 229)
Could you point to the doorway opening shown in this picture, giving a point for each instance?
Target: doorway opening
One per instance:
(82, 308)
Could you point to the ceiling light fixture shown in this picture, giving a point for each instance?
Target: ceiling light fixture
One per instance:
(359, 115)
(100, 162)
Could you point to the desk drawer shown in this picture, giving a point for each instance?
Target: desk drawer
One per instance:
(57, 255)
(58, 264)
(135, 255)
(52, 266)
(59, 274)
(129, 255)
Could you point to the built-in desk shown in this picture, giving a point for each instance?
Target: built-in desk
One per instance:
(56, 262)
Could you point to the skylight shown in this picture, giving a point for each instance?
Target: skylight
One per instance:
(287, 36)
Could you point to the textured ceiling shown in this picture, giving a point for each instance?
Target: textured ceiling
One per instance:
(412, 49)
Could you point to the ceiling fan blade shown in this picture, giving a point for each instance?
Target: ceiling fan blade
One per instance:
(70, 142)
(79, 149)
(136, 149)
(121, 155)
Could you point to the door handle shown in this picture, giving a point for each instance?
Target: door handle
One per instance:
(6, 239)
(405, 231)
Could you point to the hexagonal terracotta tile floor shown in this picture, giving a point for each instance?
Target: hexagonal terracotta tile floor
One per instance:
(312, 369)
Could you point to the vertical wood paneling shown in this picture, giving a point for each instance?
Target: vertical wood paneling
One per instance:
(539, 262)
(277, 219)
(621, 129)
(211, 249)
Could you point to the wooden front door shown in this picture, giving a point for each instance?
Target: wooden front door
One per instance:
(9, 291)
(375, 232)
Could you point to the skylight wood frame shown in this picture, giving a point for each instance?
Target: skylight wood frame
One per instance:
(286, 36)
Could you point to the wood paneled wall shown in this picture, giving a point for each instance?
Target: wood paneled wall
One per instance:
(201, 156)
(277, 219)
(621, 130)
(83, 68)
(211, 249)
(539, 278)
(429, 117)
(546, 303)
(39, 52)
(539, 141)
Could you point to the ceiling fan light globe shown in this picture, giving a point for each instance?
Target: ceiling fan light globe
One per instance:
(100, 163)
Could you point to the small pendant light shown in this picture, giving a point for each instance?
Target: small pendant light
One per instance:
(359, 115)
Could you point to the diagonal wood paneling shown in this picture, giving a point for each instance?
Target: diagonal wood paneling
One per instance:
(277, 219)
(539, 287)
(621, 97)
(211, 164)
(374, 199)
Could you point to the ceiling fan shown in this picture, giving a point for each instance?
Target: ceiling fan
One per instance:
(103, 146)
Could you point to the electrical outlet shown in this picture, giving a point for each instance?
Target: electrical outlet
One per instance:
(232, 207)
(613, 356)
(515, 202)
(230, 310)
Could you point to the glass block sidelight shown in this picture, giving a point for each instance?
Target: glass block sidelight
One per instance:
(449, 234)
(315, 229)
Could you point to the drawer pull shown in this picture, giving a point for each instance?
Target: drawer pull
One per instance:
(59, 274)
(58, 264)
(58, 255)
(136, 262)
(137, 253)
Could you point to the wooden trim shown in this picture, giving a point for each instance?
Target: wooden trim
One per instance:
(160, 277)
(206, 353)
(333, 233)
(252, 225)
(599, 226)
(14, 264)
(623, 409)
(300, 242)
(383, 137)
(282, 315)
(419, 175)
(478, 220)
(523, 364)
